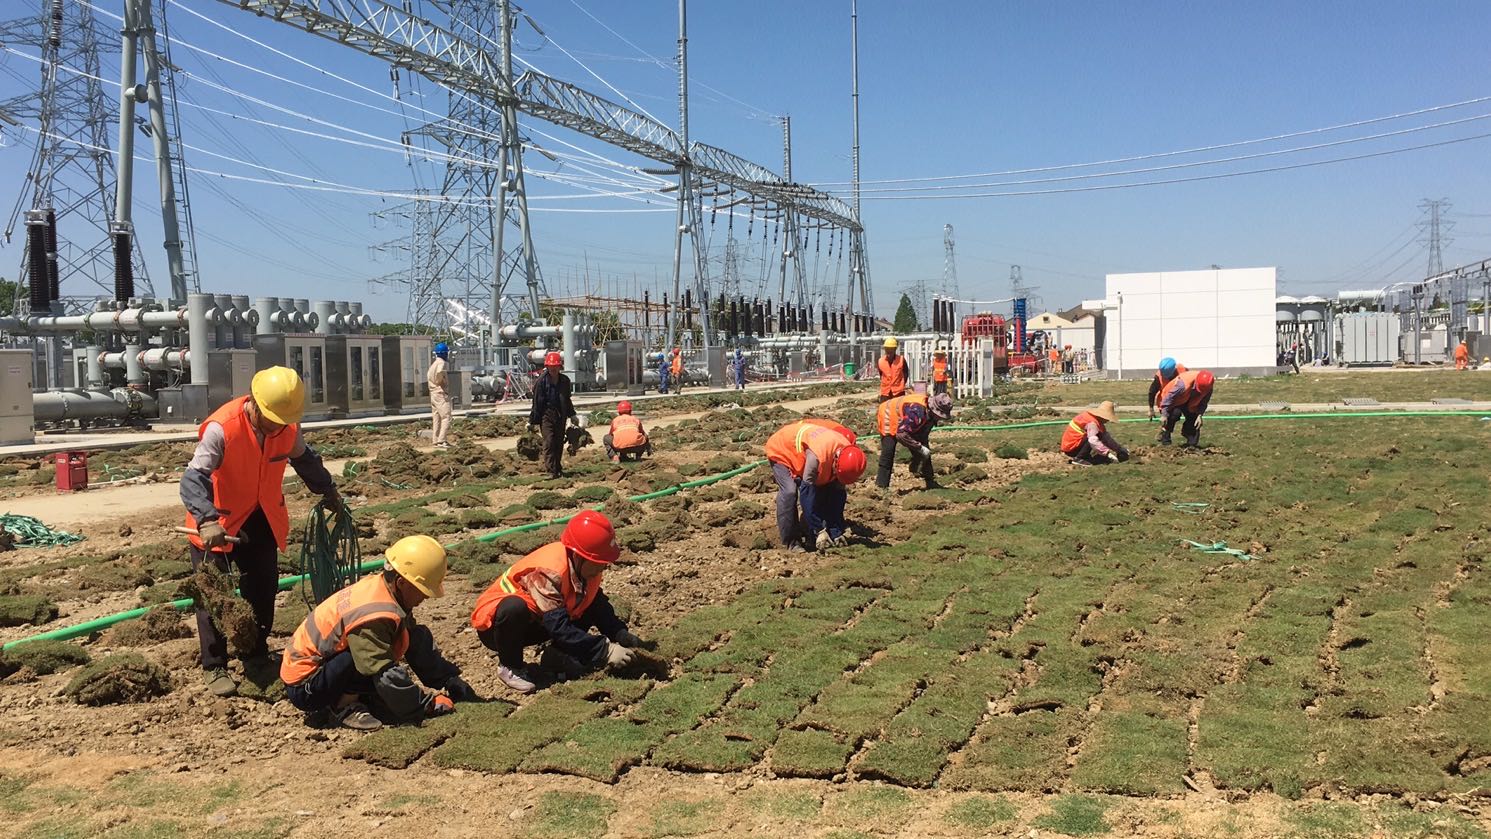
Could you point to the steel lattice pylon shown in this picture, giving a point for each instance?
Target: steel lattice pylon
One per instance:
(72, 171)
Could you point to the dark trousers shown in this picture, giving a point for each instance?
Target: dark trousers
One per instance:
(514, 627)
(920, 466)
(257, 560)
(551, 430)
(632, 452)
(786, 503)
(1085, 454)
(1191, 427)
(939, 387)
(826, 512)
(337, 677)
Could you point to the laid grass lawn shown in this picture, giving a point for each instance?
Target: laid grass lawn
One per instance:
(1308, 386)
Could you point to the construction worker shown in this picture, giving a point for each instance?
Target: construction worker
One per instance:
(1462, 356)
(1163, 376)
(677, 370)
(554, 595)
(813, 465)
(1086, 439)
(1188, 395)
(908, 420)
(551, 407)
(1053, 360)
(352, 649)
(1068, 359)
(892, 367)
(939, 371)
(663, 371)
(627, 438)
(439, 399)
(740, 370)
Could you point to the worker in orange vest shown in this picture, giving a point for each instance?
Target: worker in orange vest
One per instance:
(677, 370)
(1053, 360)
(554, 595)
(907, 421)
(892, 367)
(1166, 374)
(813, 465)
(627, 438)
(1086, 439)
(359, 645)
(1188, 395)
(939, 371)
(1462, 357)
(232, 488)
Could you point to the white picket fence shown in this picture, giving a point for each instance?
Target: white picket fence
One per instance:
(970, 366)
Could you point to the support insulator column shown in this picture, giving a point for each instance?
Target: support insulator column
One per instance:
(196, 331)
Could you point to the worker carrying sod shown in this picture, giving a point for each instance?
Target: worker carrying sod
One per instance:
(940, 376)
(677, 370)
(439, 397)
(1187, 396)
(1462, 356)
(552, 406)
(1166, 374)
(907, 421)
(232, 490)
(892, 367)
(627, 439)
(1086, 439)
(354, 652)
(813, 465)
(554, 596)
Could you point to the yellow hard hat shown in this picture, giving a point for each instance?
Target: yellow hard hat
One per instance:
(890, 344)
(280, 394)
(421, 561)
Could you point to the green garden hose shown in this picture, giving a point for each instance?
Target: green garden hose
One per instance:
(329, 556)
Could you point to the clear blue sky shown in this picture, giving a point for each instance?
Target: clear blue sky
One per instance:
(947, 88)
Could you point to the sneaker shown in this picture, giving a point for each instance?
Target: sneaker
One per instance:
(442, 445)
(516, 679)
(219, 683)
(357, 717)
(615, 458)
(796, 548)
(558, 661)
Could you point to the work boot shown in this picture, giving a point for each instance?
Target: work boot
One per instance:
(219, 683)
(558, 661)
(515, 678)
(796, 548)
(1164, 438)
(1193, 441)
(357, 717)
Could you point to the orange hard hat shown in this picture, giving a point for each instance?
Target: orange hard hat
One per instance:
(623, 407)
(850, 464)
(1204, 381)
(553, 360)
(591, 535)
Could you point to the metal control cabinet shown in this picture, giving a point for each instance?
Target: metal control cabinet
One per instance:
(306, 355)
(354, 375)
(230, 374)
(1367, 338)
(17, 427)
(623, 363)
(406, 360)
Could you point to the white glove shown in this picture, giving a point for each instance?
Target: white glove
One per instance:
(926, 452)
(618, 656)
(823, 540)
(1113, 457)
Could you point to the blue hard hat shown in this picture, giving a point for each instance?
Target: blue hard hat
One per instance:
(1167, 367)
(442, 350)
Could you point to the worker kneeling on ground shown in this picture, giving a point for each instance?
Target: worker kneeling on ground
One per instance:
(232, 489)
(1086, 439)
(908, 420)
(351, 649)
(627, 439)
(1187, 397)
(1166, 374)
(813, 464)
(554, 595)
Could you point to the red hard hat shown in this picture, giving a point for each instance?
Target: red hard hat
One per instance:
(591, 535)
(677, 350)
(1204, 380)
(553, 360)
(623, 407)
(850, 464)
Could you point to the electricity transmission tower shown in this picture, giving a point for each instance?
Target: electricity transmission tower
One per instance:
(919, 295)
(949, 263)
(1436, 230)
(71, 173)
(1018, 288)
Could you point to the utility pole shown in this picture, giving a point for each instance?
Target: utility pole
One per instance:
(859, 275)
(949, 263)
(792, 249)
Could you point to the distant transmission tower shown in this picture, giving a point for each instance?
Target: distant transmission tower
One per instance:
(949, 263)
(72, 173)
(1018, 288)
(1436, 230)
(920, 296)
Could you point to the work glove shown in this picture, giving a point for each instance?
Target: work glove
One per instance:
(926, 452)
(618, 656)
(1112, 457)
(212, 534)
(626, 638)
(332, 504)
(574, 421)
(439, 705)
(1151, 414)
(823, 540)
(457, 689)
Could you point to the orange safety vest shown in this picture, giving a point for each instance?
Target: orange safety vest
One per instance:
(939, 369)
(626, 432)
(1076, 431)
(1054, 354)
(1462, 352)
(847, 432)
(789, 446)
(1164, 383)
(888, 415)
(248, 478)
(677, 365)
(1190, 396)
(552, 558)
(324, 631)
(892, 376)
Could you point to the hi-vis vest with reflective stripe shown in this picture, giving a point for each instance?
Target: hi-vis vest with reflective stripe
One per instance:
(626, 432)
(939, 369)
(324, 631)
(888, 415)
(551, 560)
(892, 375)
(248, 478)
(1076, 431)
(789, 446)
